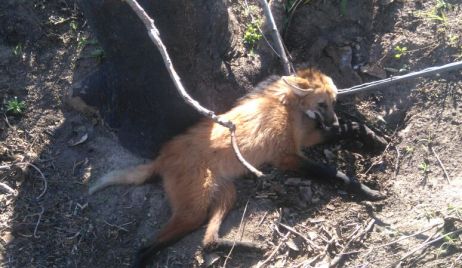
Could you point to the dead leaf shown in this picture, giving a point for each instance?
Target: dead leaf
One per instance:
(291, 244)
(81, 140)
(210, 259)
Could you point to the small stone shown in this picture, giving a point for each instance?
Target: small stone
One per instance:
(7, 237)
(329, 155)
(210, 259)
(330, 207)
(374, 70)
(306, 194)
(291, 244)
(293, 181)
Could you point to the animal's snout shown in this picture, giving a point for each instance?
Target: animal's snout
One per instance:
(332, 121)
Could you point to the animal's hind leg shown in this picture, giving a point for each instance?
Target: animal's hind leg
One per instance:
(222, 204)
(189, 203)
(178, 226)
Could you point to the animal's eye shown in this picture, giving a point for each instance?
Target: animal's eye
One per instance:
(322, 105)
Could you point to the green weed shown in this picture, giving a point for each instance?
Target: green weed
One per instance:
(82, 41)
(408, 149)
(17, 50)
(73, 25)
(15, 106)
(98, 54)
(343, 7)
(400, 51)
(424, 167)
(438, 11)
(252, 34)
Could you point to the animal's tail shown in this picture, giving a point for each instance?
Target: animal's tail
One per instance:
(133, 175)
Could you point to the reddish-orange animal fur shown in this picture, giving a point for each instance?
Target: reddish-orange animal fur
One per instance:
(274, 124)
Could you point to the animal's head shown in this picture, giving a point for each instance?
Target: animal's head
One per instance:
(316, 94)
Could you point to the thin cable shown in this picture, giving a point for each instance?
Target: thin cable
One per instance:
(394, 79)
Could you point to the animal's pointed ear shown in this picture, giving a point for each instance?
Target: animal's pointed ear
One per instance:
(298, 85)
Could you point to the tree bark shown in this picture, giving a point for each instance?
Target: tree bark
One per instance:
(132, 89)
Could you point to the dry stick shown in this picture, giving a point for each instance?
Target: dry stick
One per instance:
(7, 121)
(38, 221)
(394, 241)
(426, 244)
(7, 188)
(398, 155)
(358, 237)
(456, 260)
(235, 238)
(441, 164)
(45, 183)
(120, 227)
(262, 219)
(259, 265)
(308, 241)
(276, 37)
(153, 33)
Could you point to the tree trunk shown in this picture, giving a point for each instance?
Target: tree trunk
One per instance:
(131, 88)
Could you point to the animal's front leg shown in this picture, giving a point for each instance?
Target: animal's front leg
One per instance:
(351, 184)
(322, 171)
(349, 130)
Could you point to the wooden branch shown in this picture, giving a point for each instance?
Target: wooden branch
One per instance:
(308, 241)
(7, 188)
(277, 38)
(357, 237)
(276, 249)
(241, 229)
(44, 179)
(428, 243)
(441, 165)
(153, 33)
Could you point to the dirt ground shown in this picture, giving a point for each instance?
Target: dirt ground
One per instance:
(48, 152)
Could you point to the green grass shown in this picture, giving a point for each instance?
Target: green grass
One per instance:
(252, 34)
(98, 54)
(82, 41)
(73, 25)
(15, 106)
(424, 167)
(400, 51)
(343, 7)
(17, 50)
(437, 12)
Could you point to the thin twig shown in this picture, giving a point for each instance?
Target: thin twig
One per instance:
(308, 241)
(7, 188)
(428, 243)
(359, 236)
(120, 227)
(44, 179)
(235, 238)
(38, 221)
(154, 35)
(262, 218)
(456, 260)
(398, 155)
(276, 37)
(394, 241)
(7, 121)
(441, 164)
(270, 257)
